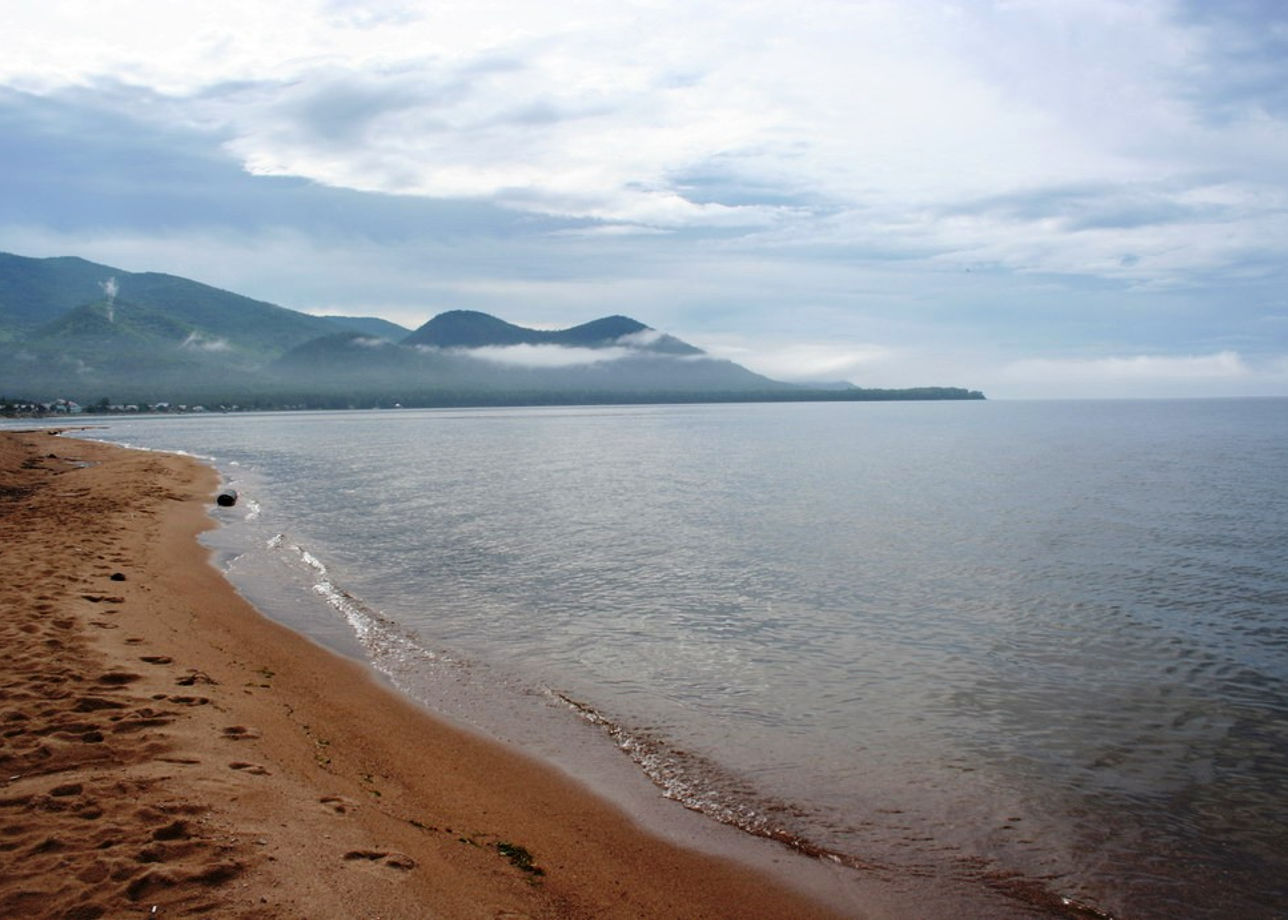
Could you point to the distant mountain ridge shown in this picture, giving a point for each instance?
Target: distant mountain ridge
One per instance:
(97, 334)
(471, 329)
(35, 292)
(370, 325)
(498, 364)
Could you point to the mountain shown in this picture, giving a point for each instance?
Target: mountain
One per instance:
(470, 329)
(93, 333)
(115, 346)
(35, 292)
(73, 327)
(370, 325)
(465, 351)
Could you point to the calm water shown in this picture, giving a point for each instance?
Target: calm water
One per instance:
(1036, 648)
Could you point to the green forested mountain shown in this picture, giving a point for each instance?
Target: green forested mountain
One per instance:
(470, 329)
(353, 362)
(36, 292)
(75, 329)
(370, 325)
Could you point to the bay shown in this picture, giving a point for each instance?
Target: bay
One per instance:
(1032, 648)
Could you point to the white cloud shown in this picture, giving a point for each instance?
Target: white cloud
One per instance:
(549, 355)
(885, 111)
(1222, 373)
(641, 339)
(198, 342)
(976, 366)
(871, 190)
(1221, 365)
(808, 362)
(366, 341)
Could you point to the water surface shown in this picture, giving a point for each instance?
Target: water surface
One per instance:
(1035, 648)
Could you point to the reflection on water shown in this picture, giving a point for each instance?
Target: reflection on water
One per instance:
(1039, 646)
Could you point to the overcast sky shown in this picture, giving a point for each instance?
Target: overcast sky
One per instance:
(1030, 197)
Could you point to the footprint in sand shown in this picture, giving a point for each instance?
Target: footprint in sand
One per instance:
(209, 876)
(393, 860)
(141, 719)
(157, 659)
(189, 700)
(175, 830)
(338, 804)
(119, 678)
(240, 733)
(253, 769)
(194, 677)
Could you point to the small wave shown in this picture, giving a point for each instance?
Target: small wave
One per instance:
(312, 561)
(360, 617)
(389, 647)
(696, 783)
(130, 445)
(688, 779)
(253, 510)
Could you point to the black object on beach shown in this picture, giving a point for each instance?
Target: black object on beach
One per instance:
(227, 498)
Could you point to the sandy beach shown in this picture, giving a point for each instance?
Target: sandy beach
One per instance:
(167, 751)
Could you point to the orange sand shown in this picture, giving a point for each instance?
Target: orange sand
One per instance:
(166, 751)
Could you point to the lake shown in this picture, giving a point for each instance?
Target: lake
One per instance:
(1035, 650)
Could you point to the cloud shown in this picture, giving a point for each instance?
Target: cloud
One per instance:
(1248, 43)
(540, 356)
(641, 339)
(1228, 373)
(665, 114)
(1221, 365)
(806, 361)
(957, 187)
(367, 341)
(196, 341)
(1100, 206)
(870, 120)
(1222, 373)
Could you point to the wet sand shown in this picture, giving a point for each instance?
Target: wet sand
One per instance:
(167, 751)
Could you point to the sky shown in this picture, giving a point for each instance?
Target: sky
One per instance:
(1036, 198)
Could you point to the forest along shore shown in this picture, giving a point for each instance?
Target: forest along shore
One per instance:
(163, 745)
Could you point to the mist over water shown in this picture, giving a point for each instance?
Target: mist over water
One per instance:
(1037, 647)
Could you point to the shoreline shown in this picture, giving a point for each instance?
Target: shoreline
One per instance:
(165, 744)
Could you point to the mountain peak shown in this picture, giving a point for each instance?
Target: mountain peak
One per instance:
(468, 329)
(472, 329)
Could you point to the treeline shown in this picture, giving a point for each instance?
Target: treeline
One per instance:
(445, 398)
(238, 400)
